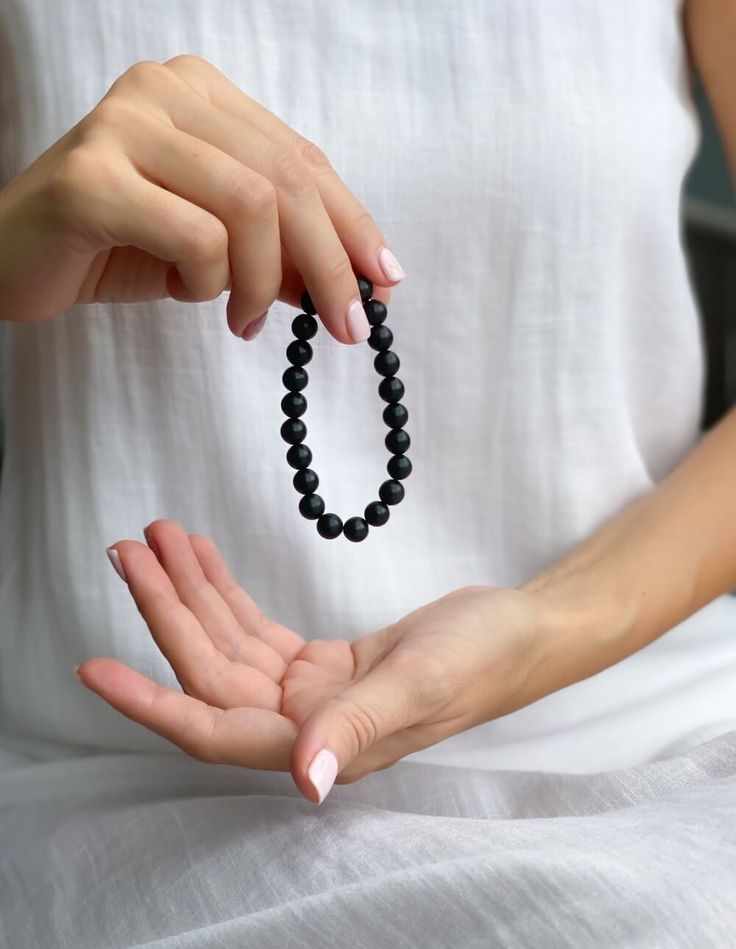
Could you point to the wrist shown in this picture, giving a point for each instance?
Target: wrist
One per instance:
(585, 624)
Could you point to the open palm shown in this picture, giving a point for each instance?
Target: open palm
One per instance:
(248, 682)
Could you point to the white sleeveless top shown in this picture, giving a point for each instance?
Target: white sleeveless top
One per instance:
(525, 162)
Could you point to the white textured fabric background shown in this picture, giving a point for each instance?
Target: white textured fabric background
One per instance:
(524, 159)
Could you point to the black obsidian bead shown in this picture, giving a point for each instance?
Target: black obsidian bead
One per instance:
(293, 431)
(386, 363)
(391, 389)
(294, 404)
(311, 506)
(295, 378)
(329, 526)
(355, 529)
(304, 326)
(375, 312)
(399, 467)
(300, 456)
(395, 415)
(306, 303)
(397, 441)
(381, 338)
(366, 289)
(298, 352)
(306, 481)
(376, 513)
(391, 492)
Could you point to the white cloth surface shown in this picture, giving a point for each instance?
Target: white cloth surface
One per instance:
(525, 160)
(162, 852)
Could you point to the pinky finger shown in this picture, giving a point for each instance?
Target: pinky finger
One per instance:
(249, 737)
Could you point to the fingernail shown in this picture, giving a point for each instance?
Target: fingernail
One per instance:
(358, 326)
(392, 269)
(75, 670)
(151, 542)
(115, 561)
(322, 772)
(254, 327)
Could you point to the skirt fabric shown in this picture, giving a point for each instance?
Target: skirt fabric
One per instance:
(166, 852)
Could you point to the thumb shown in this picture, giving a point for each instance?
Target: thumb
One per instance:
(345, 726)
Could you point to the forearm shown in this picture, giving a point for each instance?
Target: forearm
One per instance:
(645, 570)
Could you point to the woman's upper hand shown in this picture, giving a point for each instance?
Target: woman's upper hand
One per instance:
(255, 694)
(179, 184)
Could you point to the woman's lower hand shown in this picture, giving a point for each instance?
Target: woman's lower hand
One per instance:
(177, 184)
(256, 694)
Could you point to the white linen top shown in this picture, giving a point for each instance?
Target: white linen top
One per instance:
(525, 161)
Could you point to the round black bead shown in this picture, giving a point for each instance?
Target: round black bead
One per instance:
(300, 456)
(295, 378)
(329, 526)
(306, 481)
(375, 312)
(304, 326)
(294, 404)
(399, 467)
(298, 352)
(391, 492)
(376, 514)
(307, 305)
(381, 338)
(397, 441)
(366, 289)
(355, 529)
(395, 415)
(311, 506)
(391, 389)
(386, 363)
(293, 431)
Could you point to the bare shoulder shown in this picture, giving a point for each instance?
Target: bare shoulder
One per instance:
(710, 29)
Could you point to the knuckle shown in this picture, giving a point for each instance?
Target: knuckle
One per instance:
(361, 220)
(339, 269)
(362, 725)
(144, 74)
(198, 742)
(112, 114)
(254, 194)
(204, 241)
(188, 62)
(293, 174)
(312, 155)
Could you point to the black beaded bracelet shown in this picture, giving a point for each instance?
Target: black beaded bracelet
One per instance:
(395, 415)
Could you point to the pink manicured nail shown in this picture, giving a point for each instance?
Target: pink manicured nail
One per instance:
(322, 772)
(254, 327)
(115, 561)
(358, 325)
(392, 269)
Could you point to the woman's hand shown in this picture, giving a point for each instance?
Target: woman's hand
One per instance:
(256, 695)
(178, 184)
